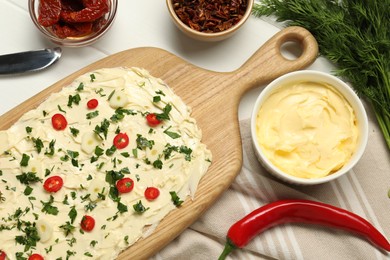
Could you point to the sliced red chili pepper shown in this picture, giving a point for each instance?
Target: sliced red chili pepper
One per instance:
(3, 255)
(121, 140)
(299, 211)
(35, 257)
(152, 120)
(92, 103)
(125, 185)
(59, 122)
(53, 184)
(87, 223)
(152, 193)
(49, 12)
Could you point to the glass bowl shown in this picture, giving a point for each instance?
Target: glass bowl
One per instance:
(78, 41)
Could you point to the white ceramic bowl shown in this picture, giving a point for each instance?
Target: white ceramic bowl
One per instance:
(350, 96)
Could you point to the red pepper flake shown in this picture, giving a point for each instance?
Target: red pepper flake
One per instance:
(210, 16)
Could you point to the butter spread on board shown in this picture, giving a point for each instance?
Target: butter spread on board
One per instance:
(307, 129)
(168, 157)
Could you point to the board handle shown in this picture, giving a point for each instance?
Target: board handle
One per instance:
(268, 62)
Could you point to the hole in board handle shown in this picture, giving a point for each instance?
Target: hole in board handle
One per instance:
(291, 50)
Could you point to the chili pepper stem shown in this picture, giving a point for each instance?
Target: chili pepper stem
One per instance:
(229, 247)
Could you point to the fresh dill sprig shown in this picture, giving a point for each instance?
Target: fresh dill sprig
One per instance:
(354, 35)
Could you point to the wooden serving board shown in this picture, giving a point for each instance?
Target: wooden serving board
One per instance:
(214, 98)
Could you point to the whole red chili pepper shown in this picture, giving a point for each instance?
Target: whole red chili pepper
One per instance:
(302, 211)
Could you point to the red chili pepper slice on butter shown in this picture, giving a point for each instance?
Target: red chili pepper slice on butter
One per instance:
(53, 184)
(87, 223)
(59, 122)
(2, 255)
(35, 257)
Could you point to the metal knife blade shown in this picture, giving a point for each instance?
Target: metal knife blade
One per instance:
(28, 61)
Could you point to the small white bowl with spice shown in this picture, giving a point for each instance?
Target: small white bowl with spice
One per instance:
(308, 127)
(206, 21)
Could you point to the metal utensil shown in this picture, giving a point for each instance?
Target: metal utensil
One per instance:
(28, 61)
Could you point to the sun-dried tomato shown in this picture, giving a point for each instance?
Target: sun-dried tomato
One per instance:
(72, 30)
(75, 18)
(49, 12)
(96, 4)
(82, 16)
(210, 16)
(72, 5)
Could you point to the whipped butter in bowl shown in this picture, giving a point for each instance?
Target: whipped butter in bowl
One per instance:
(308, 127)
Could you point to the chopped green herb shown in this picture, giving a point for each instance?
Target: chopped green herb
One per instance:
(135, 152)
(80, 87)
(74, 131)
(90, 206)
(24, 161)
(68, 228)
(158, 164)
(125, 154)
(143, 143)
(71, 241)
(49, 249)
(121, 207)
(27, 178)
(72, 214)
(120, 113)
(156, 99)
(165, 114)
(110, 151)
(28, 190)
(139, 208)
(160, 92)
(61, 110)
(38, 144)
(51, 148)
(92, 114)
(30, 238)
(73, 100)
(175, 199)
(73, 155)
(48, 208)
(102, 129)
(65, 201)
(28, 130)
(171, 134)
(88, 254)
(187, 151)
(92, 77)
(111, 94)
